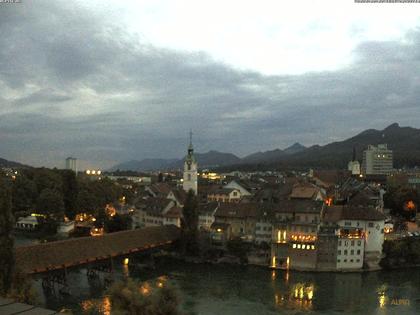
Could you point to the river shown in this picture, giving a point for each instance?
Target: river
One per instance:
(248, 290)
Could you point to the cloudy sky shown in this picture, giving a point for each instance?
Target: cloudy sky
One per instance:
(127, 80)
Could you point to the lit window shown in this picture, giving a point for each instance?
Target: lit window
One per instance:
(294, 245)
(313, 246)
(303, 246)
(298, 246)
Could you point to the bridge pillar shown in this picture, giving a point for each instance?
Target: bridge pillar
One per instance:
(53, 278)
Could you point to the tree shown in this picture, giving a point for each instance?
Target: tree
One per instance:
(129, 298)
(189, 224)
(50, 202)
(402, 200)
(117, 223)
(70, 192)
(6, 238)
(13, 283)
(24, 194)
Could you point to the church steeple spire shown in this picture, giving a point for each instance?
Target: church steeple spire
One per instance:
(190, 169)
(190, 147)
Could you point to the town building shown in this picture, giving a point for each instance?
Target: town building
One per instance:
(240, 217)
(360, 236)
(264, 225)
(238, 186)
(157, 212)
(354, 165)
(295, 233)
(28, 223)
(377, 160)
(206, 214)
(340, 238)
(307, 191)
(71, 164)
(224, 195)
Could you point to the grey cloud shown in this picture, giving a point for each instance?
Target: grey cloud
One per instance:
(75, 83)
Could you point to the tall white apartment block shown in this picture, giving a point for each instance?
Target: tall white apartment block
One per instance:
(377, 160)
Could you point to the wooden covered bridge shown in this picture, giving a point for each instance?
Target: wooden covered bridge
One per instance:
(40, 258)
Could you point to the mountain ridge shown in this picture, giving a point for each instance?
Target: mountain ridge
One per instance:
(404, 141)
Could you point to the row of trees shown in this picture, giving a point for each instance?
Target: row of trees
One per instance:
(13, 284)
(59, 192)
(399, 253)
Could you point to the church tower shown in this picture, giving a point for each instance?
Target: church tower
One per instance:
(190, 170)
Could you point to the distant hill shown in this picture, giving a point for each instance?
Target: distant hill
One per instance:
(209, 159)
(145, 165)
(6, 163)
(295, 148)
(215, 158)
(263, 157)
(404, 141)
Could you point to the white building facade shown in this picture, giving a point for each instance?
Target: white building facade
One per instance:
(71, 164)
(377, 160)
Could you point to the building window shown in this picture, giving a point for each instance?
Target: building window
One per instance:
(339, 252)
(352, 252)
(339, 243)
(338, 260)
(370, 224)
(352, 243)
(345, 260)
(359, 243)
(347, 223)
(345, 252)
(358, 252)
(346, 243)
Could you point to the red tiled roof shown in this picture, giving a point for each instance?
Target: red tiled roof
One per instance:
(174, 212)
(237, 210)
(337, 213)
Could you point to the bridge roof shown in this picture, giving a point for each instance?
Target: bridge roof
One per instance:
(77, 251)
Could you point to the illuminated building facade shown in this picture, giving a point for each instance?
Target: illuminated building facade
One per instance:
(336, 238)
(295, 232)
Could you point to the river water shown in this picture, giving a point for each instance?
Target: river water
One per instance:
(232, 290)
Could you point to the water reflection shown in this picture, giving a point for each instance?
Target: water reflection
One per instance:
(228, 290)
